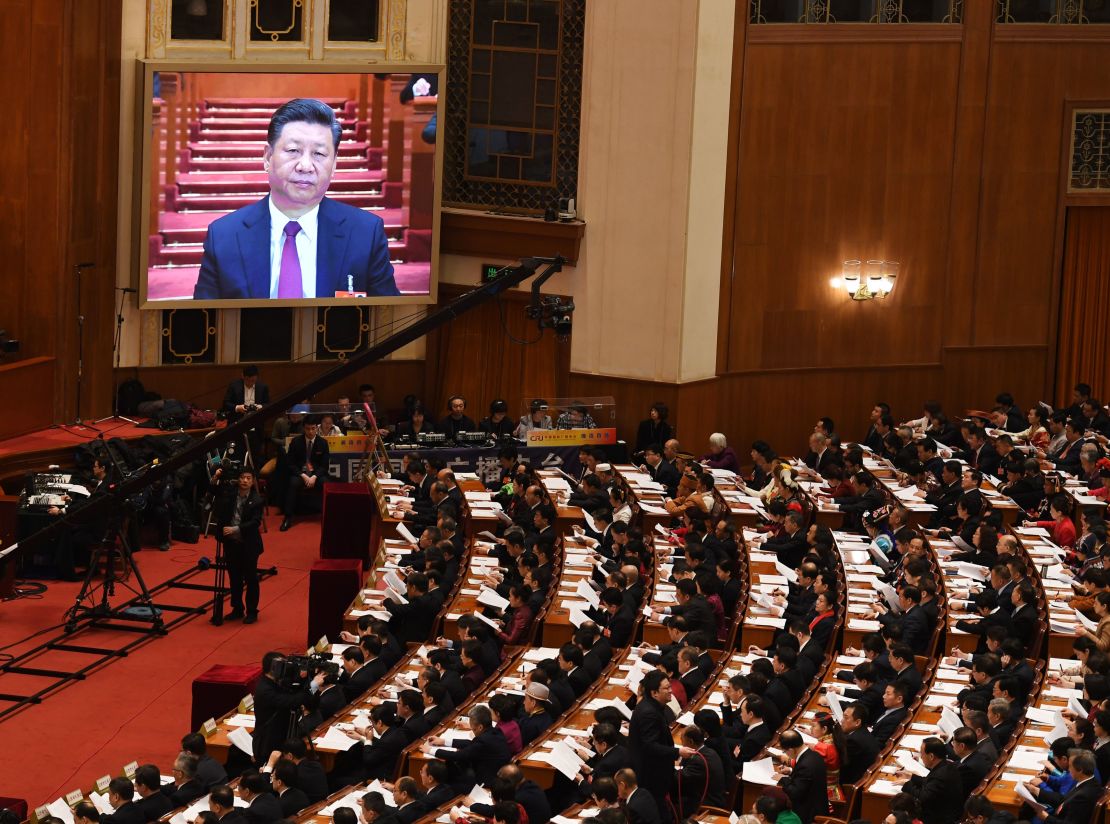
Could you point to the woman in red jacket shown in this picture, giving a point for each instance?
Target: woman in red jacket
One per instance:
(1061, 527)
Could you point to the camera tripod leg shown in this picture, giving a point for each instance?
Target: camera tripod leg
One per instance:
(220, 583)
(144, 593)
(73, 614)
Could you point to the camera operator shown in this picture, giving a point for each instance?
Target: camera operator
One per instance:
(240, 516)
(280, 693)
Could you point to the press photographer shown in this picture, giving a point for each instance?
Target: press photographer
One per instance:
(238, 518)
(286, 685)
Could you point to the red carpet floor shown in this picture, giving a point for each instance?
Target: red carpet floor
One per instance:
(137, 708)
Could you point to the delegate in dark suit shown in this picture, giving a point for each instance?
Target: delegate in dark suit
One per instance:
(652, 749)
(350, 242)
(862, 749)
(640, 808)
(264, 809)
(1077, 807)
(292, 801)
(155, 805)
(303, 460)
(806, 786)
(935, 792)
(127, 813)
(700, 780)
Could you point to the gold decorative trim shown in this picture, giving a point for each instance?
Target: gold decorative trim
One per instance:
(277, 33)
(157, 27)
(167, 333)
(395, 39)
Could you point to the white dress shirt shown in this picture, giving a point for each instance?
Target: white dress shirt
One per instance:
(306, 248)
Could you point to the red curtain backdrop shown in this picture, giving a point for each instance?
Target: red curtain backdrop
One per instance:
(1083, 347)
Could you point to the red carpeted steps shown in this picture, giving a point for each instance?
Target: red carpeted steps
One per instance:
(220, 169)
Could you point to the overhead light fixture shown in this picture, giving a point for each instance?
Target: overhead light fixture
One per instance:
(861, 281)
(197, 8)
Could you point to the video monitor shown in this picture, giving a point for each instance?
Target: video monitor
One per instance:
(288, 186)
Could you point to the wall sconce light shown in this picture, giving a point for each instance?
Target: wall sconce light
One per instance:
(875, 279)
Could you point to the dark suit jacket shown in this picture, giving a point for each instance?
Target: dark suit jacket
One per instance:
(264, 809)
(640, 808)
(380, 759)
(236, 394)
(754, 741)
(698, 614)
(580, 680)
(650, 744)
(700, 780)
(979, 627)
(184, 795)
(413, 621)
(250, 522)
(620, 627)
(667, 475)
(884, 728)
(973, 769)
(362, 679)
(1077, 807)
(915, 629)
(806, 786)
(1023, 623)
(987, 461)
(532, 726)
(778, 693)
(292, 801)
(236, 262)
(485, 755)
(312, 779)
(320, 457)
(438, 797)
(273, 707)
(155, 805)
(862, 749)
(939, 804)
(911, 677)
(128, 813)
(790, 549)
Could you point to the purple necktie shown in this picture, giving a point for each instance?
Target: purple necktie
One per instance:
(289, 276)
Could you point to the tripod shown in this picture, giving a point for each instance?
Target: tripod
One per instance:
(113, 544)
(117, 347)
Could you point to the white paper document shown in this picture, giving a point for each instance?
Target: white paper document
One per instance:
(242, 739)
(760, 772)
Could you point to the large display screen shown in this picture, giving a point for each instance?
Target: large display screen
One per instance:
(271, 187)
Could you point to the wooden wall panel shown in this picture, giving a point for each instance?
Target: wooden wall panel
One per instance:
(1018, 261)
(59, 195)
(845, 152)
(782, 406)
(492, 352)
(31, 381)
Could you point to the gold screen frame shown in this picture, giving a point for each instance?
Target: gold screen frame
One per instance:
(142, 189)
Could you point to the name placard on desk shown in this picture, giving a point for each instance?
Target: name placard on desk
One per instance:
(572, 437)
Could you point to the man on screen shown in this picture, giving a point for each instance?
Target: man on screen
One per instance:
(296, 243)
